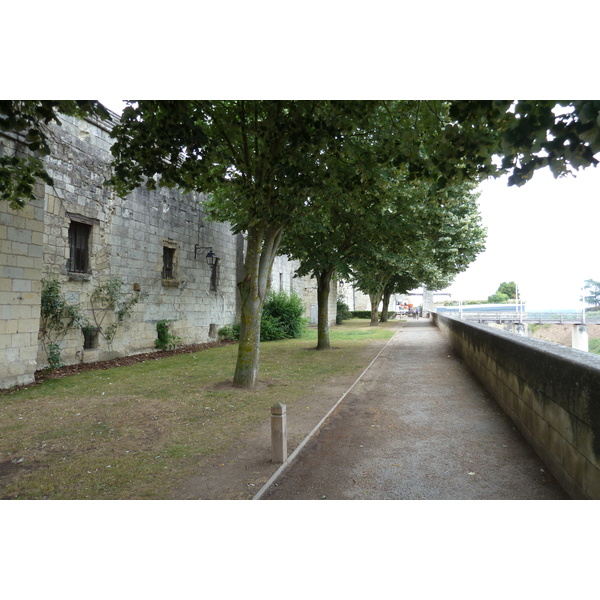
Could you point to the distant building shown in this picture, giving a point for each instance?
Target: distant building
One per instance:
(357, 300)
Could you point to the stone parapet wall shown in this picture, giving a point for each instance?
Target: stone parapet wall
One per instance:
(552, 394)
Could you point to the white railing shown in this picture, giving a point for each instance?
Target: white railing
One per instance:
(528, 317)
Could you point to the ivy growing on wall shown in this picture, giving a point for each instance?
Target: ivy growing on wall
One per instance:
(109, 299)
(166, 340)
(57, 317)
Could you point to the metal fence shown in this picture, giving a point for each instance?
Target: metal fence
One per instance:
(527, 317)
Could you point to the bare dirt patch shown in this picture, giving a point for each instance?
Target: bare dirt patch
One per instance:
(229, 386)
(561, 334)
(239, 472)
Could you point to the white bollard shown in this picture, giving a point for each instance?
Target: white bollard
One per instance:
(579, 337)
(520, 329)
(278, 433)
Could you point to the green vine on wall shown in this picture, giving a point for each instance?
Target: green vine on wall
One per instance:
(109, 298)
(57, 317)
(166, 340)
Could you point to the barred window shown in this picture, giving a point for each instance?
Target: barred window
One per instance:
(79, 256)
(90, 339)
(168, 262)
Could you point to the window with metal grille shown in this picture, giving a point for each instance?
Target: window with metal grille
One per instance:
(168, 262)
(79, 238)
(90, 339)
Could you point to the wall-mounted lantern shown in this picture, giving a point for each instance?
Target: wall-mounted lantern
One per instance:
(211, 257)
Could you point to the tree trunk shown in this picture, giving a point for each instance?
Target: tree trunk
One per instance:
(323, 286)
(261, 252)
(375, 300)
(384, 308)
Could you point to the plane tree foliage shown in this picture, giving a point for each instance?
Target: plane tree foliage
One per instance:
(593, 289)
(373, 200)
(430, 237)
(345, 215)
(480, 138)
(260, 162)
(491, 138)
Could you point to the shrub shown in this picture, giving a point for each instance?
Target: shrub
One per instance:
(108, 298)
(229, 332)
(343, 312)
(361, 314)
(498, 298)
(272, 329)
(54, 356)
(282, 319)
(166, 340)
(57, 317)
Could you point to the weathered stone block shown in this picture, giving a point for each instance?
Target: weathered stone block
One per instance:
(575, 464)
(22, 236)
(22, 285)
(592, 481)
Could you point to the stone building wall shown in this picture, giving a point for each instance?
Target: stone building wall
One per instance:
(357, 300)
(283, 278)
(127, 239)
(21, 248)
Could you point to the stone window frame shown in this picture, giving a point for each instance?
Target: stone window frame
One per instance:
(90, 339)
(172, 247)
(77, 225)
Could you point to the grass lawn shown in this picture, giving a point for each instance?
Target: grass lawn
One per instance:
(134, 432)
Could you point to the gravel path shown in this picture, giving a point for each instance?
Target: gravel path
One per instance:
(417, 425)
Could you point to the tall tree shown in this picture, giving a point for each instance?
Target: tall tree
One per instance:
(370, 199)
(399, 283)
(435, 236)
(509, 288)
(261, 161)
(343, 214)
(593, 288)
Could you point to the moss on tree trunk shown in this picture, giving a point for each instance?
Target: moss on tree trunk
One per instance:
(323, 287)
(263, 244)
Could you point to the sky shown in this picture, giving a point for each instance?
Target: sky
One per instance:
(544, 236)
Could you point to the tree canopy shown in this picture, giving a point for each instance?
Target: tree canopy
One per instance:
(509, 288)
(27, 121)
(431, 236)
(479, 138)
(491, 138)
(262, 162)
(593, 297)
